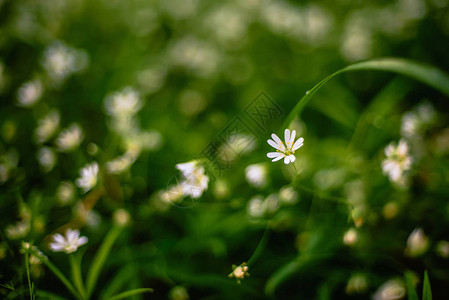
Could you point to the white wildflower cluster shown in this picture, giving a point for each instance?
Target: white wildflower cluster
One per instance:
(397, 162)
(193, 183)
(68, 243)
(30, 93)
(21, 228)
(228, 24)
(393, 289)
(415, 122)
(123, 106)
(260, 207)
(285, 151)
(61, 61)
(88, 177)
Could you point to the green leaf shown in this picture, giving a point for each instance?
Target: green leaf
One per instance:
(410, 286)
(421, 72)
(75, 263)
(123, 276)
(100, 258)
(48, 295)
(131, 293)
(427, 291)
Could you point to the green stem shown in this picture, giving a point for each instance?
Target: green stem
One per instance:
(76, 275)
(260, 247)
(28, 273)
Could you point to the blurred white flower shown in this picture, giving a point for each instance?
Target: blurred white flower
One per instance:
(60, 61)
(350, 237)
(123, 104)
(121, 217)
(397, 161)
(393, 289)
(288, 195)
(442, 249)
(65, 192)
(88, 177)
(256, 175)
(256, 208)
(69, 243)
(228, 24)
(120, 164)
(417, 243)
(19, 230)
(29, 93)
(178, 293)
(70, 138)
(47, 127)
(47, 158)
(285, 151)
(239, 272)
(357, 284)
(415, 122)
(195, 180)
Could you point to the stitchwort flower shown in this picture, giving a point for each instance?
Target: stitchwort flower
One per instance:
(88, 177)
(286, 151)
(69, 243)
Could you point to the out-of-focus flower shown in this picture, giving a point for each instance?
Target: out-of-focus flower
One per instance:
(393, 289)
(239, 272)
(152, 79)
(442, 249)
(120, 164)
(65, 192)
(60, 61)
(357, 40)
(172, 194)
(88, 177)
(235, 145)
(350, 237)
(256, 175)
(123, 104)
(70, 138)
(390, 210)
(178, 293)
(8, 162)
(397, 161)
(191, 102)
(29, 93)
(228, 24)
(19, 230)
(357, 284)
(417, 243)
(256, 208)
(271, 204)
(283, 18)
(286, 151)
(415, 122)
(47, 158)
(69, 243)
(47, 127)
(122, 217)
(288, 195)
(195, 180)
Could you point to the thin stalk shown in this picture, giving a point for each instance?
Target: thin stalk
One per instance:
(76, 275)
(28, 274)
(260, 247)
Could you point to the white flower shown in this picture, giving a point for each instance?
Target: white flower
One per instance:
(417, 243)
(393, 289)
(256, 175)
(47, 158)
(124, 103)
(196, 181)
(70, 138)
(65, 192)
(397, 162)
(29, 93)
(120, 164)
(350, 237)
(47, 127)
(239, 272)
(88, 177)
(69, 243)
(285, 151)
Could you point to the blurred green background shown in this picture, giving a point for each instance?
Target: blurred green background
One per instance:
(338, 229)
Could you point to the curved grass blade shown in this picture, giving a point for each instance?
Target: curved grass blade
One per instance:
(426, 291)
(100, 258)
(75, 264)
(131, 293)
(421, 72)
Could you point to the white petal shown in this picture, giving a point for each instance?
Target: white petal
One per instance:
(281, 155)
(292, 158)
(273, 154)
(273, 144)
(276, 139)
(298, 144)
(292, 137)
(287, 137)
(82, 240)
(56, 247)
(287, 160)
(58, 238)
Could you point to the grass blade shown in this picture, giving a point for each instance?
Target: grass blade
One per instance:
(427, 291)
(421, 72)
(411, 292)
(75, 264)
(131, 293)
(100, 258)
